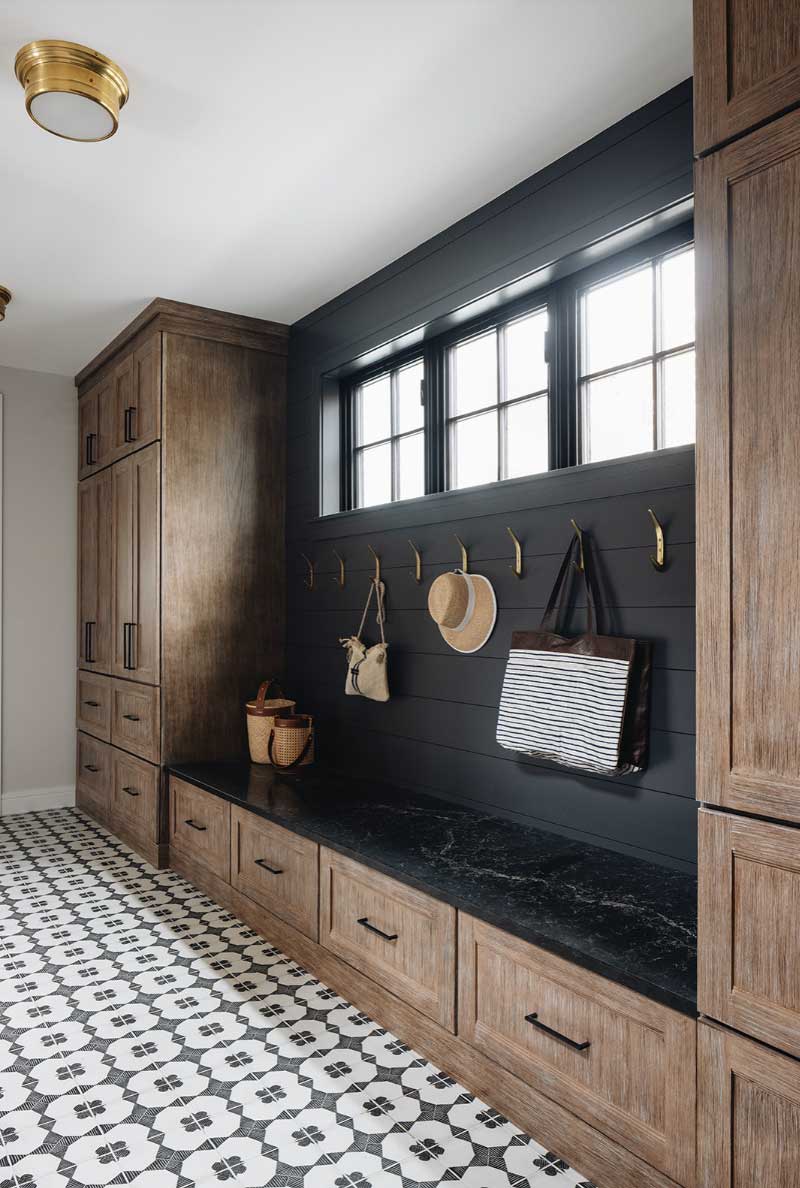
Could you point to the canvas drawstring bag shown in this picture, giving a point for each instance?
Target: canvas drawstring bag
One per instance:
(367, 670)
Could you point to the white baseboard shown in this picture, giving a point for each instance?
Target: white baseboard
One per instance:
(34, 800)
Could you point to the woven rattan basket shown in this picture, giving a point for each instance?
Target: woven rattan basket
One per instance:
(291, 741)
(261, 715)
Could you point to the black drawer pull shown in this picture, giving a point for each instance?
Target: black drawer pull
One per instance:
(533, 1019)
(91, 767)
(272, 869)
(130, 791)
(94, 704)
(131, 718)
(364, 922)
(199, 828)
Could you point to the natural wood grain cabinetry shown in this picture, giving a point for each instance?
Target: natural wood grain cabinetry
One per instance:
(93, 782)
(200, 826)
(401, 937)
(746, 65)
(192, 408)
(620, 1061)
(93, 711)
(136, 718)
(95, 429)
(749, 943)
(134, 795)
(94, 572)
(748, 1113)
(277, 869)
(136, 504)
(748, 381)
(137, 398)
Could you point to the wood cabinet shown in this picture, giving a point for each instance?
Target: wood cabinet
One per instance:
(93, 780)
(401, 937)
(137, 398)
(187, 407)
(94, 572)
(136, 718)
(620, 1061)
(277, 869)
(746, 66)
(134, 796)
(748, 430)
(136, 503)
(200, 826)
(749, 944)
(95, 430)
(93, 708)
(748, 1113)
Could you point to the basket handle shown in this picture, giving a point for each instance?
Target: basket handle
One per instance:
(263, 691)
(294, 762)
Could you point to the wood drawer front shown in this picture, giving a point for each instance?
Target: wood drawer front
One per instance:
(93, 776)
(136, 718)
(200, 826)
(633, 1078)
(402, 938)
(748, 1113)
(93, 712)
(277, 869)
(749, 941)
(134, 785)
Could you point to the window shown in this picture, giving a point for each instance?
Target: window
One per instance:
(497, 403)
(390, 436)
(636, 348)
(599, 365)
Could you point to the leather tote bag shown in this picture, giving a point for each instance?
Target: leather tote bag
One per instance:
(367, 670)
(583, 701)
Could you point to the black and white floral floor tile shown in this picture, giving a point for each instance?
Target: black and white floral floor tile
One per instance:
(150, 1039)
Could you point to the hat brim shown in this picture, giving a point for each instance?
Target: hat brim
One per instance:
(484, 616)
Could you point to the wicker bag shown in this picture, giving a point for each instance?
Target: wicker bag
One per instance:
(261, 715)
(291, 741)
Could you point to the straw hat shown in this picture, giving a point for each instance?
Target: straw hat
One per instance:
(465, 608)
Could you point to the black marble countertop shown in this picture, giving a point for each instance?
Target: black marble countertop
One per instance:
(629, 920)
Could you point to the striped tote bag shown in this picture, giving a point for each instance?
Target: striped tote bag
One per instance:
(583, 701)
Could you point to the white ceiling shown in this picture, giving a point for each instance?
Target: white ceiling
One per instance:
(275, 152)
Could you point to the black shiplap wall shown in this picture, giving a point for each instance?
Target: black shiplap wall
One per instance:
(437, 732)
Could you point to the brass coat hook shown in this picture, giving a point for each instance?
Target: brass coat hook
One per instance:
(579, 535)
(308, 582)
(417, 563)
(517, 566)
(464, 555)
(377, 575)
(340, 579)
(658, 561)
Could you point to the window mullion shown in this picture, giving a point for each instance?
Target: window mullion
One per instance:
(502, 387)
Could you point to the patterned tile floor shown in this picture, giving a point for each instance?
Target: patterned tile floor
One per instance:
(150, 1039)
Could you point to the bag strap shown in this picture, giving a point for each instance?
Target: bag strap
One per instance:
(263, 692)
(294, 762)
(556, 604)
(380, 590)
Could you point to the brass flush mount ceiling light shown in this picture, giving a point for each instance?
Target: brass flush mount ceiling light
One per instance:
(71, 90)
(5, 297)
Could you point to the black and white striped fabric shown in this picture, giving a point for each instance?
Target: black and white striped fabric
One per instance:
(565, 707)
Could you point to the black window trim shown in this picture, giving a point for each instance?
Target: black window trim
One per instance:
(562, 298)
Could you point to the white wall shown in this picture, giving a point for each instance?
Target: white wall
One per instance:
(39, 589)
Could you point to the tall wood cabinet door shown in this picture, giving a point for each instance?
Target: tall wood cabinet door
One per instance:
(136, 577)
(748, 1113)
(749, 942)
(746, 65)
(88, 426)
(137, 398)
(94, 572)
(747, 223)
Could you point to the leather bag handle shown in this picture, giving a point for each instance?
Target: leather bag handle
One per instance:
(556, 604)
(263, 690)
